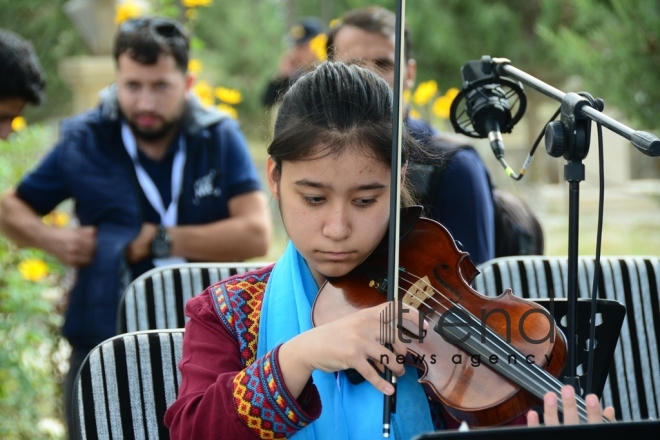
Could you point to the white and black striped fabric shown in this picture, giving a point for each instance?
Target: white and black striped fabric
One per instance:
(126, 384)
(633, 384)
(156, 299)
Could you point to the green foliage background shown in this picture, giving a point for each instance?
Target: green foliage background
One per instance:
(30, 343)
(612, 45)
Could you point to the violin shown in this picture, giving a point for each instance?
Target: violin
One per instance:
(519, 349)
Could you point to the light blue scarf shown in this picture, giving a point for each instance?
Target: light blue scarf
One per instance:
(349, 411)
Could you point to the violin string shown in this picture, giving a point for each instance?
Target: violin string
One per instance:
(530, 371)
(496, 339)
(502, 347)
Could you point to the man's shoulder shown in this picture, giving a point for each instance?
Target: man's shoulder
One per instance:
(84, 122)
(420, 129)
(448, 142)
(199, 119)
(224, 126)
(452, 151)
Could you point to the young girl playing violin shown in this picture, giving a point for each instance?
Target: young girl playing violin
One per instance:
(253, 364)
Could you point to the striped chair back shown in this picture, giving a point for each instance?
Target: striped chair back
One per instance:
(156, 299)
(633, 384)
(125, 385)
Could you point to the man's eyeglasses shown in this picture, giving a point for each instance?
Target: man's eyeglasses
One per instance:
(159, 26)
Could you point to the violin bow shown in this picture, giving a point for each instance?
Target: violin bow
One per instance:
(389, 406)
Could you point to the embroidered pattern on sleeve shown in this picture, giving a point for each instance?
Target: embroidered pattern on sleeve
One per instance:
(262, 404)
(238, 303)
(260, 396)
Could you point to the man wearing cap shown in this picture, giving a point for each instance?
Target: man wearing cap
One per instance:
(296, 60)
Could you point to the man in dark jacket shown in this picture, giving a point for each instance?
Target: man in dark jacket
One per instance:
(155, 178)
(462, 200)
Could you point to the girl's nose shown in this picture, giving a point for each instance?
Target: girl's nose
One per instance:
(337, 225)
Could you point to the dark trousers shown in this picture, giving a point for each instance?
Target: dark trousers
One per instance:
(78, 355)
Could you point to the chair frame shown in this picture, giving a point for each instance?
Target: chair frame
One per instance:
(128, 399)
(156, 299)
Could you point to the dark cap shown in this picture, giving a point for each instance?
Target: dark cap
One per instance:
(304, 30)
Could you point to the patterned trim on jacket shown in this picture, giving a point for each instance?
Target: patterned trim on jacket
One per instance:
(261, 398)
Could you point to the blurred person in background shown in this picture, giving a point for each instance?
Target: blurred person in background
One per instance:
(21, 79)
(298, 59)
(462, 199)
(156, 179)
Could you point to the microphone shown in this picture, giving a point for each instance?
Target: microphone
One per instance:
(489, 110)
(483, 108)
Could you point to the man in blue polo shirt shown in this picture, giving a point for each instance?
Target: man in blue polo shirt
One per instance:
(155, 177)
(462, 200)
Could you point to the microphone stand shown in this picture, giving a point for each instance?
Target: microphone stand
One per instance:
(570, 138)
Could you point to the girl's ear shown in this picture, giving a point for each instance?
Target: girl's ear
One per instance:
(273, 177)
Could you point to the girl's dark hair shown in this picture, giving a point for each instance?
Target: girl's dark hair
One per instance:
(333, 108)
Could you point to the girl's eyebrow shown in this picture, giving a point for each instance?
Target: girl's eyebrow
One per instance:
(314, 184)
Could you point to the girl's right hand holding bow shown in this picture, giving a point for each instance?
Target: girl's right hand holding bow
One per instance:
(353, 341)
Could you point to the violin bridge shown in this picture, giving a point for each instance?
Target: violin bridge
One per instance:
(419, 292)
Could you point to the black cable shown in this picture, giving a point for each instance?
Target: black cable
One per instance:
(528, 161)
(599, 236)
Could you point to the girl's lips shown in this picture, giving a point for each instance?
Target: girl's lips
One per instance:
(335, 256)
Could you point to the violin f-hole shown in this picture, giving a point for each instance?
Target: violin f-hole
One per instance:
(448, 292)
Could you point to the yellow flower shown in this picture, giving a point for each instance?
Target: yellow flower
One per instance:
(228, 109)
(317, 46)
(196, 3)
(406, 95)
(195, 66)
(452, 93)
(127, 10)
(442, 106)
(424, 92)
(18, 123)
(229, 96)
(56, 218)
(33, 270)
(204, 92)
(334, 22)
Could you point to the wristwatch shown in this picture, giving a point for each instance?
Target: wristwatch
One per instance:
(161, 244)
